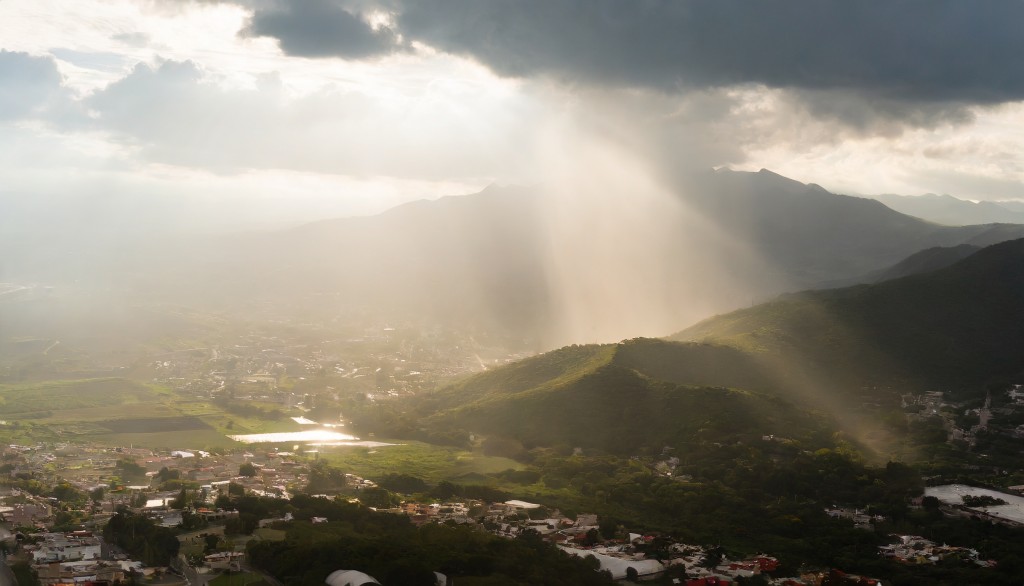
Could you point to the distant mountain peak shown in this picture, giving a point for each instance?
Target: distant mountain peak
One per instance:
(953, 211)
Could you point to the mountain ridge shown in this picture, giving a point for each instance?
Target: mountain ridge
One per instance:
(946, 329)
(597, 398)
(538, 267)
(952, 211)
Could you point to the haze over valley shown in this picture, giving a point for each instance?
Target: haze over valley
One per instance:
(342, 292)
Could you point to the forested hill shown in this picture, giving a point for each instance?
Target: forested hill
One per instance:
(930, 259)
(962, 326)
(619, 398)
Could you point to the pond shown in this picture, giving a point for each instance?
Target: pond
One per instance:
(310, 435)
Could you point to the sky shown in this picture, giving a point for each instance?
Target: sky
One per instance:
(263, 112)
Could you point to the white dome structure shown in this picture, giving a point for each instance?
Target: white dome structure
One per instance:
(350, 578)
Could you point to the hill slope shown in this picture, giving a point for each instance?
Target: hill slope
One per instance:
(930, 259)
(621, 398)
(958, 327)
(927, 260)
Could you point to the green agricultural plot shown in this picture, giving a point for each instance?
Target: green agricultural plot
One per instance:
(118, 411)
(154, 424)
(192, 439)
(110, 412)
(430, 462)
(230, 423)
(41, 399)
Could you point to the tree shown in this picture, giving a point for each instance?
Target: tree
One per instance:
(191, 521)
(67, 493)
(243, 524)
(378, 498)
(403, 483)
(141, 538)
(445, 490)
(129, 469)
(593, 537)
(410, 572)
(166, 474)
(181, 501)
(139, 499)
(324, 478)
(247, 469)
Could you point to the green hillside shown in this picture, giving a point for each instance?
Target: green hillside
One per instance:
(958, 328)
(621, 398)
(930, 259)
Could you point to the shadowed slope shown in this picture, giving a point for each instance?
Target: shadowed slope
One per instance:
(955, 327)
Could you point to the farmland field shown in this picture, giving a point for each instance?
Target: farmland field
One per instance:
(117, 411)
(430, 462)
(154, 424)
(186, 440)
(35, 399)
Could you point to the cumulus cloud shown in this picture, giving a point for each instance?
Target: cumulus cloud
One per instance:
(135, 39)
(177, 113)
(323, 28)
(29, 85)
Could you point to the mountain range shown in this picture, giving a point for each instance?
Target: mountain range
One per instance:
(545, 266)
(559, 267)
(952, 211)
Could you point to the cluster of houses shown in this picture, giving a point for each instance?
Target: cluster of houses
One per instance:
(375, 360)
(990, 418)
(88, 468)
(77, 557)
(912, 549)
(422, 513)
(60, 547)
(861, 519)
(625, 557)
(27, 514)
(84, 571)
(80, 556)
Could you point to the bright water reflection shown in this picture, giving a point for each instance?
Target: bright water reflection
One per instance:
(312, 435)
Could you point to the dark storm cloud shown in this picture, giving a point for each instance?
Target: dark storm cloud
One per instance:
(322, 28)
(919, 50)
